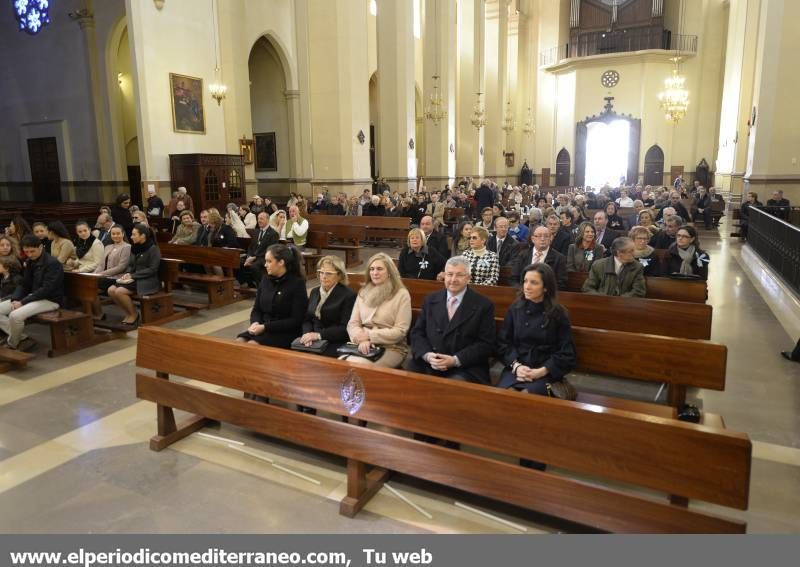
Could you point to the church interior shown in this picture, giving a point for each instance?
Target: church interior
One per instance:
(293, 99)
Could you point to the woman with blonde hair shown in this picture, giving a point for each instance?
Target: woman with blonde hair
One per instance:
(484, 264)
(381, 315)
(417, 260)
(643, 252)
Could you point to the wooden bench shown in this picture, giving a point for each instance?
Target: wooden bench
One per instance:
(603, 458)
(631, 354)
(13, 359)
(345, 238)
(632, 314)
(692, 291)
(218, 287)
(378, 228)
(72, 330)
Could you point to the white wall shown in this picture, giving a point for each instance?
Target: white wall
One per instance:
(268, 105)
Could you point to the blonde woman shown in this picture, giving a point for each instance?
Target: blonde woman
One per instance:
(417, 260)
(382, 314)
(484, 264)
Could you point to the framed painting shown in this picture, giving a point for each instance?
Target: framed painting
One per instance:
(188, 114)
(266, 152)
(246, 150)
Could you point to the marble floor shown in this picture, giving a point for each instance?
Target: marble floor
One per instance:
(74, 455)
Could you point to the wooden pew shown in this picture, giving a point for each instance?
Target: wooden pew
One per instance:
(394, 228)
(346, 238)
(693, 291)
(219, 288)
(632, 314)
(72, 330)
(13, 359)
(620, 451)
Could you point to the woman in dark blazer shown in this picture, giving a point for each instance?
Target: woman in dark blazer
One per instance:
(281, 301)
(615, 221)
(685, 257)
(643, 252)
(142, 275)
(417, 260)
(121, 214)
(535, 342)
(220, 234)
(329, 306)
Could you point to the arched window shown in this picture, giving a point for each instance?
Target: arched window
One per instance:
(235, 185)
(211, 186)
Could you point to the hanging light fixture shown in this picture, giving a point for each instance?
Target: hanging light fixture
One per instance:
(217, 89)
(674, 99)
(509, 122)
(478, 113)
(528, 128)
(435, 111)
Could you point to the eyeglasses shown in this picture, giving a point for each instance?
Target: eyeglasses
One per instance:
(474, 237)
(680, 235)
(324, 273)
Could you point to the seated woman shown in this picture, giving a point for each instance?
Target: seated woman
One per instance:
(114, 263)
(484, 264)
(186, 232)
(7, 247)
(61, 247)
(142, 275)
(535, 342)
(15, 231)
(220, 235)
(10, 276)
(281, 301)
(248, 217)
(88, 250)
(233, 220)
(647, 219)
(461, 243)
(643, 252)
(329, 306)
(584, 250)
(417, 261)
(615, 221)
(685, 256)
(382, 314)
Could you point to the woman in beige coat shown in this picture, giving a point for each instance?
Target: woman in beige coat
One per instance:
(382, 314)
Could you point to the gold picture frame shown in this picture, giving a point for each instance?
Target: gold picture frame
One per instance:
(188, 111)
(247, 149)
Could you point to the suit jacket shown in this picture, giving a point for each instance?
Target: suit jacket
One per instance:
(333, 316)
(608, 237)
(554, 259)
(561, 241)
(603, 279)
(470, 335)
(508, 251)
(257, 248)
(438, 241)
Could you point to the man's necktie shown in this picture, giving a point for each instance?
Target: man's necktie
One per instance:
(451, 307)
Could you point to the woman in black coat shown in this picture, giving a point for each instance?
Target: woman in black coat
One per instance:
(329, 306)
(142, 275)
(535, 342)
(120, 212)
(615, 221)
(685, 257)
(220, 234)
(417, 260)
(281, 301)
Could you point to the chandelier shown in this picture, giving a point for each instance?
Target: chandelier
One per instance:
(674, 98)
(217, 89)
(509, 122)
(435, 111)
(478, 113)
(528, 128)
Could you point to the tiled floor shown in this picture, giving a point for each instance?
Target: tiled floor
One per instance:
(74, 456)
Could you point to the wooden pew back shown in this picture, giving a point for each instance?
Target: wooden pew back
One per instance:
(665, 455)
(203, 255)
(693, 291)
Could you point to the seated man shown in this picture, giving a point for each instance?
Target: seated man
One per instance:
(42, 290)
(502, 243)
(252, 266)
(540, 251)
(663, 239)
(433, 237)
(454, 336)
(618, 275)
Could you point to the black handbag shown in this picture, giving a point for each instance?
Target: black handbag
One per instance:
(562, 390)
(349, 349)
(317, 347)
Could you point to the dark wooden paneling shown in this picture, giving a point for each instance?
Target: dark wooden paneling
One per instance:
(594, 15)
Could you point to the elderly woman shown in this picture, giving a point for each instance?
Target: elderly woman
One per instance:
(187, 230)
(381, 315)
(615, 221)
(374, 208)
(647, 219)
(685, 256)
(61, 247)
(535, 342)
(585, 249)
(139, 217)
(329, 306)
(484, 264)
(461, 243)
(142, 275)
(220, 235)
(88, 250)
(643, 252)
(417, 260)
(281, 301)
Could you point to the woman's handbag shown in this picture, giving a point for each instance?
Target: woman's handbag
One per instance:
(562, 390)
(317, 347)
(349, 349)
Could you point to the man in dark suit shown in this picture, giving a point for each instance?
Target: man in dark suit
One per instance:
(433, 238)
(605, 235)
(561, 238)
(540, 251)
(454, 336)
(202, 234)
(252, 266)
(104, 225)
(663, 239)
(508, 247)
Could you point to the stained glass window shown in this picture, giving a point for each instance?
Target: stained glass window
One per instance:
(32, 15)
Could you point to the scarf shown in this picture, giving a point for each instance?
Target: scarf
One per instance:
(323, 297)
(643, 253)
(137, 249)
(83, 246)
(480, 252)
(686, 259)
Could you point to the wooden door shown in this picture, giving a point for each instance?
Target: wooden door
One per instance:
(135, 185)
(654, 166)
(674, 172)
(45, 174)
(545, 177)
(562, 168)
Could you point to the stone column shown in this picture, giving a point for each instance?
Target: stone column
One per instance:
(299, 106)
(471, 25)
(496, 80)
(339, 94)
(439, 43)
(396, 97)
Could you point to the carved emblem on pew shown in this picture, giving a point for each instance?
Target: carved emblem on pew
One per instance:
(352, 393)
